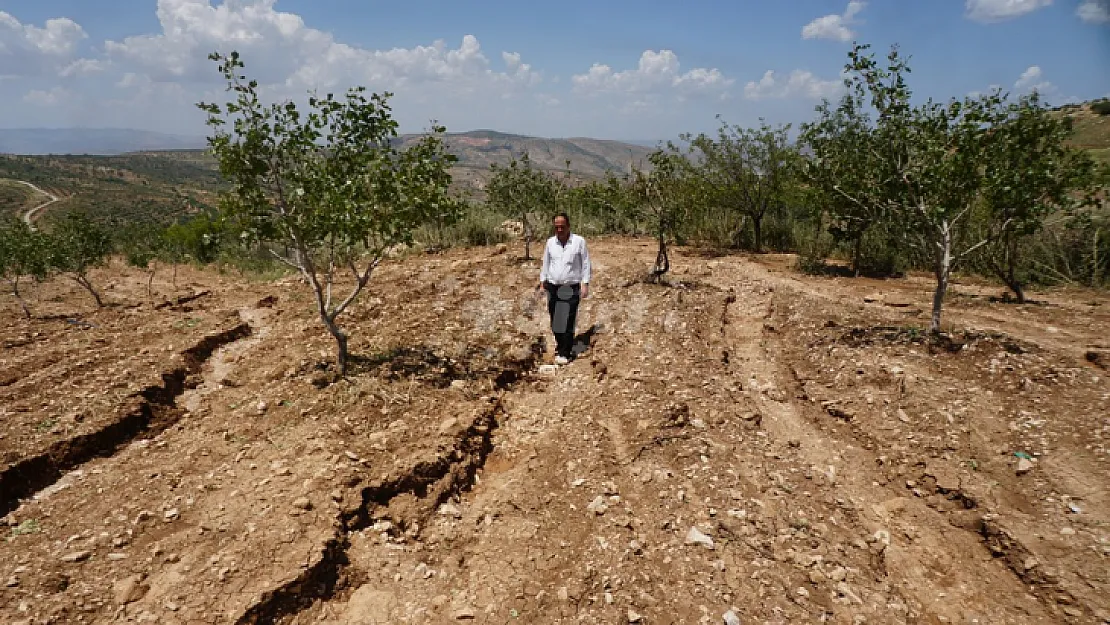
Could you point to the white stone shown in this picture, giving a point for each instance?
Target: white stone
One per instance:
(697, 537)
(1024, 466)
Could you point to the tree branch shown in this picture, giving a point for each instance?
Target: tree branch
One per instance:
(363, 279)
(286, 261)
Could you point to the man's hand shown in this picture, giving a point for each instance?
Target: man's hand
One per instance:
(539, 288)
(585, 291)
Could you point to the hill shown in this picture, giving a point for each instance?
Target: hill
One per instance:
(1091, 130)
(157, 187)
(162, 183)
(581, 157)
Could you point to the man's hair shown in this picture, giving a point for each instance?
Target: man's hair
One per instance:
(564, 216)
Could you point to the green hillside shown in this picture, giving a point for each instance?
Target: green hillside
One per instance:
(1091, 129)
(132, 187)
(15, 197)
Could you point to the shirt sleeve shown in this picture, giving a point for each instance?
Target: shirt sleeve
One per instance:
(585, 263)
(543, 267)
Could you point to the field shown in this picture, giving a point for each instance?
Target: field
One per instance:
(745, 439)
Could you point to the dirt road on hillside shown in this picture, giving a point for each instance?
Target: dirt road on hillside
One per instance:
(33, 212)
(744, 443)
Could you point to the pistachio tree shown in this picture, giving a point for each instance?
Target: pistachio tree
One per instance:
(23, 253)
(842, 168)
(76, 245)
(521, 189)
(661, 194)
(924, 172)
(749, 171)
(326, 184)
(1030, 174)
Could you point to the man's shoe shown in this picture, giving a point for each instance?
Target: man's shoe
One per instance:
(561, 360)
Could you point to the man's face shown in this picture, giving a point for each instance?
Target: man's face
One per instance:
(562, 230)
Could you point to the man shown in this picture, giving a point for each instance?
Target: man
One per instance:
(565, 275)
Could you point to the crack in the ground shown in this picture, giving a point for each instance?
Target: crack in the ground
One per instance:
(432, 482)
(998, 541)
(148, 411)
(426, 484)
(1003, 545)
(184, 299)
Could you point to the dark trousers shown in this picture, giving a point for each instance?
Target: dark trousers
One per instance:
(562, 305)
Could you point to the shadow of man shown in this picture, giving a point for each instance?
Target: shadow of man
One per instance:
(583, 341)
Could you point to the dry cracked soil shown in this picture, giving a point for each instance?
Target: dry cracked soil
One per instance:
(743, 444)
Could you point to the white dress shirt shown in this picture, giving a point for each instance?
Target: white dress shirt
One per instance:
(566, 264)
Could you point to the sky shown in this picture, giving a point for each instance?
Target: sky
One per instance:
(615, 69)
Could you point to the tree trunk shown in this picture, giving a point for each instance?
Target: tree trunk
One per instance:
(149, 284)
(175, 277)
(1008, 275)
(856, 252)
(1096, 263)
(83, 281)
(1009, 266)
(662, 260)
(19, 298)
(527, 227)
(942, 270)
(341, 354)
(757, 226)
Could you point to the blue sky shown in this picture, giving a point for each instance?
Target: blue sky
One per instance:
(616, 69)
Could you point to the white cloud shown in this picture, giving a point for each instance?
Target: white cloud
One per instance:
(799, 84)
(279, 47)
(153, 79)
(1094, 11)
(82, 67)
(546, 99)
(834, 27)
(59, 37)
(39, 97)
(999, 10)
(28, 50)
(656, 72)
(1029, 77)
(1032, 80)
(131, 79)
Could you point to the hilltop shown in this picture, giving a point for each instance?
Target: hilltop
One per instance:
(580, 157)
(1091, 130)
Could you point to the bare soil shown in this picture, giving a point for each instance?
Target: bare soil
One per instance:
(744, 438)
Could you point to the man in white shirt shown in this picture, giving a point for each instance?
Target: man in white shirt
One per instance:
(565, 275)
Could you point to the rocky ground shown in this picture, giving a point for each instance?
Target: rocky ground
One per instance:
(742, 445)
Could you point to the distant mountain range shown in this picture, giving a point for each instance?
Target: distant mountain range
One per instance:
(93, 141)
(580, 157)
(111, 141)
